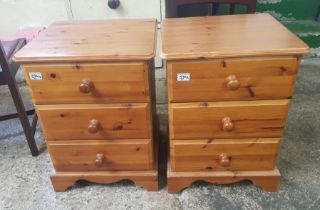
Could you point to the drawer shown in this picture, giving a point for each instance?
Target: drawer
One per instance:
(232, 79)
(239, 119)
(95, 121)
(88, 83)
(101, 155)
(224, 154)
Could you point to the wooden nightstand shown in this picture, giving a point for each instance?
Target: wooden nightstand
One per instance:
(230, 80)
(92, 84)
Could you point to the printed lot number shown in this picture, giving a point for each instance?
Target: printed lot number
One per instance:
(35, 75)
(183, 77)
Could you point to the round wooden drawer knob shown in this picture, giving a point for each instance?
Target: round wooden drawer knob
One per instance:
(224, 160)
(99, 159)
(232, 82)
(86, 86)
(227, 124)
(94, 126)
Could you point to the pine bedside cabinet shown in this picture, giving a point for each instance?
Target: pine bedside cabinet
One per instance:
(92, 85)
(230, 80)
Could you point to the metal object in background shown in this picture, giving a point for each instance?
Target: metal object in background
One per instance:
(113, 4)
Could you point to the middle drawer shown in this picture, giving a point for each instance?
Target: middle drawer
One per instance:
(238, 119)
(95, 121)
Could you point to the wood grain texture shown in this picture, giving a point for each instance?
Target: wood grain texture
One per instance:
(104, 40)
(77, 155)
(61, 181)
(116, 121)
(227, 36)
(258, 78)
(112, 82)
(264, 118)
(95, 100)
(205, 154)
(268, 180)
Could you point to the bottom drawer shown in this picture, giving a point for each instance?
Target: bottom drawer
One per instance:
(224, 154)
(98, 155)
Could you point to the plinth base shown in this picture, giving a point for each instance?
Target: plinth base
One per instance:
(268, 180)
(61, 181)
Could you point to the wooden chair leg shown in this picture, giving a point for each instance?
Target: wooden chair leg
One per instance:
(172, 5)
(29, 133)
(34, 124)
(232, 9)
(215, 9)
(15, 115)
(19, 104)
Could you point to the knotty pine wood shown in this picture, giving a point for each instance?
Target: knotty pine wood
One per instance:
(117, 121)
(264, 118)
(96, 100)
(267, 180)
(91, 41)
(242, 74)
(112, 82)
(243, 154)
(121, 154)
(227, 36)
(260, 78)
(61, 181)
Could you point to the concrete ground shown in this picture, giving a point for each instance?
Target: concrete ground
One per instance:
(25, 183)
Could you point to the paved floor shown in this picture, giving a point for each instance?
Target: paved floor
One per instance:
(25, 184)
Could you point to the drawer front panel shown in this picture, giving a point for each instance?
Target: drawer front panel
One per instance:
(232, 79)
(101, 155)
(94, 121)
(228, 119)
(224, 154)
(88, 83)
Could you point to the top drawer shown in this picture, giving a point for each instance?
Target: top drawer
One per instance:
(88, 83)
(232, 79)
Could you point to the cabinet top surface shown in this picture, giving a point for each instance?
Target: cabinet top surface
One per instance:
(228, 36)
(109, 40)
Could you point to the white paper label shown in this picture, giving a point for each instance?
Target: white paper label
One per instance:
(35, 75)
(183, 77)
